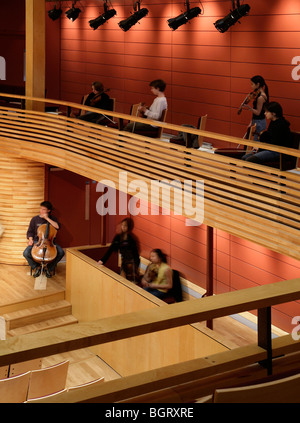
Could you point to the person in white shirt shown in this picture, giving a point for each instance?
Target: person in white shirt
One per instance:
(154, 112)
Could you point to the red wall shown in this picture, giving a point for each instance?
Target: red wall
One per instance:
(12, 41)
(206, 71)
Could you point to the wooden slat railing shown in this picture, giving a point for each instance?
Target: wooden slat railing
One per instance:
(82, 335)
(250, 201)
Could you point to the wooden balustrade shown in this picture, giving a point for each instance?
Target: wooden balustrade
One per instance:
(250, 201)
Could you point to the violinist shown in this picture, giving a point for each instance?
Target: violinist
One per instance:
(42, 218)
(154, 112)
(98, 99)
(260, 96)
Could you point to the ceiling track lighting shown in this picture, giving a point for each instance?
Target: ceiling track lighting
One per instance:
(55, 13)
(73, 13)
(139, 13)
(237, 12)
(185, 17)
(108, 13)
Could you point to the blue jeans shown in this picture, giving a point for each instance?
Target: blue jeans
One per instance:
(262, 157)
(156, 293)
(51, 266)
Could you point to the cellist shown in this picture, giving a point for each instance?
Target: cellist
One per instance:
(42, 218)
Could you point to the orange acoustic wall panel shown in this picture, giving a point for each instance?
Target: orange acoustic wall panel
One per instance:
(206, 71)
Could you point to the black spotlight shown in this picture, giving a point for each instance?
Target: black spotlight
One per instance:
(108, 13)
(139, 13)
(73, 13)
(238, 12)
(54, 13)
(182, 19)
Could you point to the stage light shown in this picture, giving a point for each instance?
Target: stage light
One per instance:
(235, 14)
(73, 13)
(108, 13)
(54, 13)
(139, 13)
(182, 19)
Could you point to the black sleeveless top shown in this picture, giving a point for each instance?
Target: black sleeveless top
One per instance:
(262, 113)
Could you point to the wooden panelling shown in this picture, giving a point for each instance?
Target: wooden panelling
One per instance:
(117, 297)
(21, 192)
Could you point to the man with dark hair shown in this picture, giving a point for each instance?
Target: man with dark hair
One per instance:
(41, 219)
(154, 112)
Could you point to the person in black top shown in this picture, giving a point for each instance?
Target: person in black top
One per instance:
(126, 243)
(98, 99)
(278, 133)
(44, 217)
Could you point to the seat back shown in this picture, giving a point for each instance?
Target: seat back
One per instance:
(14, 389)
(162, 119)
(201, 125)
(48, 380)
(4, 372)
(134, 110)
(176, 290)
(284, 390)
(62, 396)
(291, 162)
(83, 100)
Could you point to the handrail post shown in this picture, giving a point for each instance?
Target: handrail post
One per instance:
(264, 336)
(209, 267)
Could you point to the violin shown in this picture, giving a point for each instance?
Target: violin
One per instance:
(44, 251)
(97, 97)
(251, 96)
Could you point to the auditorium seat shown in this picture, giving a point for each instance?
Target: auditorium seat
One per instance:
(62, 395)
(284, 390)
(48, 380)
(14, 389)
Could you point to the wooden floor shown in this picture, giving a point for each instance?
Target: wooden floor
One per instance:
(18, 293)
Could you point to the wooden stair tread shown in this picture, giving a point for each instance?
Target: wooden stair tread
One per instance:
(45, 324)
(36, 314)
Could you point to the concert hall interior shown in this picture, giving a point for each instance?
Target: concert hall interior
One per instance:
(74, 98)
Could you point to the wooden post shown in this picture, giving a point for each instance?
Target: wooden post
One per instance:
(35, 52)
(209, 267)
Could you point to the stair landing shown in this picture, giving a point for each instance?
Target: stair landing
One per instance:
(17, 288)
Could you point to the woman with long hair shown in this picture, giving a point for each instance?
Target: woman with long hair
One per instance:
(158, 278)
(261, 97)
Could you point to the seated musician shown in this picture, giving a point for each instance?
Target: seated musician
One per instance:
(278, 133)
(44, 217)
(158, 279)
(154, 112)
(98, 99)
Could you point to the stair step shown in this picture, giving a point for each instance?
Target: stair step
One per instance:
(33, 315)
(45, 324)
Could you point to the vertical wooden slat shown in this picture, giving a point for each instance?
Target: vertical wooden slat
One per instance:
(21, 192)
(35, 52)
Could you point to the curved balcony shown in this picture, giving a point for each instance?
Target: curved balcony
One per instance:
(253, 202)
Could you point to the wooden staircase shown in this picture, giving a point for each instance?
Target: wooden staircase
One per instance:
(34, 319)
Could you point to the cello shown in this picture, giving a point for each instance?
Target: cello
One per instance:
(44, 251)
